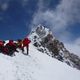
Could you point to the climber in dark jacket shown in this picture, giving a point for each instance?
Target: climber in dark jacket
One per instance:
(26, 42)
(12, 47)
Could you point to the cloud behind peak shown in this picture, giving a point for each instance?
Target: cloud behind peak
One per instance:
(66, 13)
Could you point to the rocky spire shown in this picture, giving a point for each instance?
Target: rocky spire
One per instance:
(43, 39)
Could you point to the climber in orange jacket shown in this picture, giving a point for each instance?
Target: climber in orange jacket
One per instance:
(26, 42)
(20, 44)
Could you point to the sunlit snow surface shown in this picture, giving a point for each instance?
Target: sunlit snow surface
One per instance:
(35, 66)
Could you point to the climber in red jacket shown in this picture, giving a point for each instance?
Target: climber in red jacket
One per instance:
(26, 42)
(1, 45)
(3, 48)
(12, 47)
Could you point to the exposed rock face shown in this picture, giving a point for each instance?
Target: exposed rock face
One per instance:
(45, 42)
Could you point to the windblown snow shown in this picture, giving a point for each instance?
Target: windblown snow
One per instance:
(35, 66)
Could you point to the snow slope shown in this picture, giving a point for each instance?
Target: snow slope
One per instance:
(35, 66)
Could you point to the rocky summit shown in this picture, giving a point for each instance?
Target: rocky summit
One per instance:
(44, 40)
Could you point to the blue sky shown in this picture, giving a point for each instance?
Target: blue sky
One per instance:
(18, 16)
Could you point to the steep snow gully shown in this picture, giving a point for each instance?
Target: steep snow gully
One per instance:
(35, 66)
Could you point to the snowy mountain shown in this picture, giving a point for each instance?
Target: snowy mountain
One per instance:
(35, 66)
(43, 39)
(44, 62)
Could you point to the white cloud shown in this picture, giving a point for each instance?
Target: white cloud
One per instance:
(65, 14)
(4, 6)
(73, 48)
(77, 41)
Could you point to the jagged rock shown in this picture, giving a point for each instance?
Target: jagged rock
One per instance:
(45, 42)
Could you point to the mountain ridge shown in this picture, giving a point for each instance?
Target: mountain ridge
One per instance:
(45, 41)
(37, 65)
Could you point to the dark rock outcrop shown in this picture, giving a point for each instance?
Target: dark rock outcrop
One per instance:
(45, 42)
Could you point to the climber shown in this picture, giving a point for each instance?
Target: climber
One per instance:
(1, 45)
(3, 49)
(26, 42)
(12, 47)
(20, 45)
